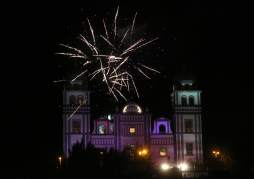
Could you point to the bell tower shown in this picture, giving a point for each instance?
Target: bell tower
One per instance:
(76, 115)
(186, 101)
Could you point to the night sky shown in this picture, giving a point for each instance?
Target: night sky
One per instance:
(202, 40)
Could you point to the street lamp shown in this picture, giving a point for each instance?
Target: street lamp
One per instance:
(165, 166)
(216, 153)
(183, 166)
(60, 161)
(142, 152)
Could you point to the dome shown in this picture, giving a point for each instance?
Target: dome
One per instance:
(132, 108)
(186, 82)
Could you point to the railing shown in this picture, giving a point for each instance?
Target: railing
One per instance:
(188, 108)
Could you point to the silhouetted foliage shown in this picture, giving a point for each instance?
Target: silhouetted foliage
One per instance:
(99, 163)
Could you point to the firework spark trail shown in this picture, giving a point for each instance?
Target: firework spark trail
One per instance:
(112, 61)
(133, 83)
(78, 76)
(92, 32)
(86, 63)
(58, 81)
(105, 78)
(146, 43)
(107, 41)
(123, 82)
(72, 48)
(117, 75)
(105, 27)
(108, 68)
(92, 48)
(115, 21)
(94, 75)
(108, 56)
(132, 46)
(128, 87)
(112, 92)
(133, 23)
(117, 83)
(143, 73)
(109, 61)
(72, 55)
(74, 112)
(121, 79)
(149, 68)
(121, 64)
(96, 72)
(124, 37)
(121, 94)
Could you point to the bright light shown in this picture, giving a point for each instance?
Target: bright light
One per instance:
(216, 153)
(60, 161)
(109, 117)
(132, 130)
(163, 151)
(132, 108)
(165, 166)
(125, 109)
(143, 152)
(183, 166)
(111, 66)
(139, 110)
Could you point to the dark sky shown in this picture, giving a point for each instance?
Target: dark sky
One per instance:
(205, 40)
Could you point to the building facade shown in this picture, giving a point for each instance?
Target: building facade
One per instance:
(174, 140)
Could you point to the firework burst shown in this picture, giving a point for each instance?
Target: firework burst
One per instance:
(110, 63)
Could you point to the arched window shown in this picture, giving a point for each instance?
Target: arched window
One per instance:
(162, 129)
(184, 100)
(81, 99)
(101, 129)
(191, 101)
(72, 100)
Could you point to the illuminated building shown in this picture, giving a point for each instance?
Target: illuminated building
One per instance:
(174, 140)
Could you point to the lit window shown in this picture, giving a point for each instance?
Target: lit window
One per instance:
(76, 127)
(189, 148)
(101, 129)
(132, 130)
(163, 151)
(188, 125)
